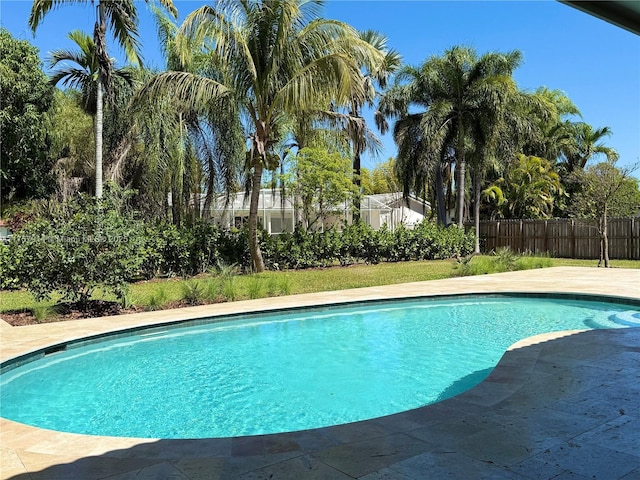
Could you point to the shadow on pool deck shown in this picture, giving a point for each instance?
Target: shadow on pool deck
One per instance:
(567, 407)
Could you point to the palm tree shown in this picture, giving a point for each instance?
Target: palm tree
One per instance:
(556, 129)
(463, 87)
(79, 69)
(361, 137)
(271, 58)
(499, 134)
(416, 164)
(530, 187)
(455, 92)
(122, 18)
(179, 157)
(586, 145)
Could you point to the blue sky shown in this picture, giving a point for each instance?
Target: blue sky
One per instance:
(596, 64)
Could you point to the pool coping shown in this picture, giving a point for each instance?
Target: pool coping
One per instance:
(28, 449)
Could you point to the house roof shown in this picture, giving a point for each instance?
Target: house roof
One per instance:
(272, 200)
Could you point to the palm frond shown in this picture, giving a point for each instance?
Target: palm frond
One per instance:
(41, 7)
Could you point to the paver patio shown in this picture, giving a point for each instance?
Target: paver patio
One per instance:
(563, 406)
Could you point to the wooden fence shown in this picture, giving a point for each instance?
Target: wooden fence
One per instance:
(562, 237)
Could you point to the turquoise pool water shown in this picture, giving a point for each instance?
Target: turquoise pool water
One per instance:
(286, 371)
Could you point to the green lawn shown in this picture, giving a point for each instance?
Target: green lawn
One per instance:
(159, 292)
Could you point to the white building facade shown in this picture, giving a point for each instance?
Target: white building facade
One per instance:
(278, 214)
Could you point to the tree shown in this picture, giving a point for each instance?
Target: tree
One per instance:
(361, 137)
(605, 191)
(84, 245)
(528, 189)
(121, 16)
(497, 135)
(554, 125)
(452, 91)
(71, 142)
(26, 99)
(270, 59)
(187, 154)
(382, 179)
(80, 69)
(322, 183)
(587, 143)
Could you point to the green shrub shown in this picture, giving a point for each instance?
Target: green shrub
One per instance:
(157, 300)
(233, 247)
(361, 243)
(192, 292)
(229, 288)
(254, 287)
(272, 286)
(527, 262)
(126, 300)
(43, 311)
(90, 244)
(212, 290)
(205, 243)
(9, 262)
(285, 285)
(504, 260)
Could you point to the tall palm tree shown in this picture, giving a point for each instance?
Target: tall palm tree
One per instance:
(499, 134)
(454, 92)
(183, 160)
(271, 58)
(555, 126)
(361, 137)
(416, 164)
(79, 69)
(121, 16)
(463, 87)
(588, 144)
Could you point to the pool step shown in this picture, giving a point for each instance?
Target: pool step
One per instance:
(629, 318)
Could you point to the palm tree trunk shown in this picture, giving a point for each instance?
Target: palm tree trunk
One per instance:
(254, 246)
(605, 238)
(99, 121)
(103, 73)
(460, 170)
(476, 211)
(356, 173)
(208, 199)
(176, 206)
(442, 210)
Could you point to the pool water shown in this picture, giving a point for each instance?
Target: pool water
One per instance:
(286, 371)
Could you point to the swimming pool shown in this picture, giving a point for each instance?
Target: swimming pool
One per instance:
(286, 371)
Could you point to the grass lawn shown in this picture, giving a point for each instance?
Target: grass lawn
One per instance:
(157, 293)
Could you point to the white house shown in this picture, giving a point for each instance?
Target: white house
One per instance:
(5, 232)
(278, 215)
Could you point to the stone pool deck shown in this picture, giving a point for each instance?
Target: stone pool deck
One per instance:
(563, 406)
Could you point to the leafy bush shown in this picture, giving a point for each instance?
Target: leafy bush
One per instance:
(158, 299)
(233, 247)
(254, 287)
(43, 311)
(91, 244)
(192, 292)
(504, 260)
(9, 262)
(361, 243)
(175, 249)
(204, 252)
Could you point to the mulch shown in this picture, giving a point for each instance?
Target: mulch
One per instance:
(73, 311)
